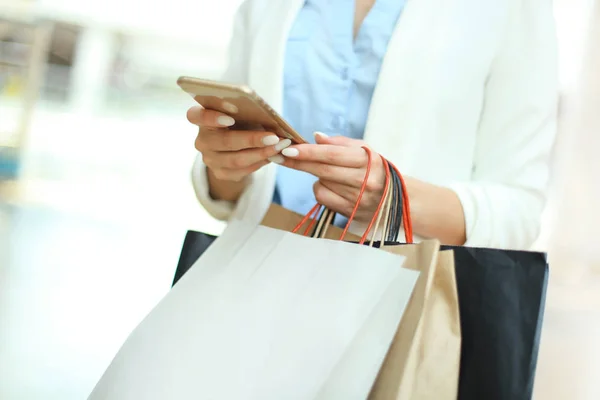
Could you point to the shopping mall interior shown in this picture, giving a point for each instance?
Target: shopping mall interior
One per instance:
(95, 191)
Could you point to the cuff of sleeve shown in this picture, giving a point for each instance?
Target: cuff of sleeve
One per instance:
(478, 224)
(219, 209)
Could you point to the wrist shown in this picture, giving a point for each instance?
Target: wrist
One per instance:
(224, 190)
(436, 212)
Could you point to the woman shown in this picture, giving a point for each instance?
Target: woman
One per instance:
(460, 95)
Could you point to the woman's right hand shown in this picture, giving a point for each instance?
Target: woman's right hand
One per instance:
(229, 154)
(232, 155)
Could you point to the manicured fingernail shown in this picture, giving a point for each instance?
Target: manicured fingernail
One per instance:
(283, 144)
(230, 108)
(225, 120)
(321, 134)
(276, 159)
(290, 152)
(270, 140)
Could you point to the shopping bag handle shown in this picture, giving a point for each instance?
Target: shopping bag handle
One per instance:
(408, 232)
(315, 211)
(382, 201)
(385, 205)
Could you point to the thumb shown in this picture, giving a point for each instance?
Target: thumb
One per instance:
(321, 138)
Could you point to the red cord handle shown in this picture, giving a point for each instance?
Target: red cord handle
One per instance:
(360, 194)
(381, 202)
(314, 212)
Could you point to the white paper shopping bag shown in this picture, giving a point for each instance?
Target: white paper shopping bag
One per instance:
(351, 317)
(354, 374)
(166, 334)
(264, 314)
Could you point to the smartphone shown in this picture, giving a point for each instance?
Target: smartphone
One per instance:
(250, 110)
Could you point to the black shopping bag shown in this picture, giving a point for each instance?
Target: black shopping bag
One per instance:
(501, 298)
(194, 244)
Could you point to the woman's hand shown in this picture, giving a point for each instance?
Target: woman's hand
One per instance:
(230, 154)
(340, 164)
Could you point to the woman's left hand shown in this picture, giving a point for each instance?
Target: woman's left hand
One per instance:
(340, 164)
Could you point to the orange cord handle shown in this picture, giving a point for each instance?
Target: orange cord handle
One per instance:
(360, 194)
(381, 202)
(313, 213)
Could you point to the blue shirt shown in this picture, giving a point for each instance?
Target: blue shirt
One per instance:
(329, 79)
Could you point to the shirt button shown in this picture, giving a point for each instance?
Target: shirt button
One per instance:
(338, 123)
(345, 74)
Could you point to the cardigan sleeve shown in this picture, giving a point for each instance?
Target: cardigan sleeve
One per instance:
(503, 204)
(236, 72)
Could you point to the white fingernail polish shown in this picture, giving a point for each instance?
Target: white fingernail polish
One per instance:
(230, 108)
(276, 159)
(321, 134)
(290, 152)
(283, 144)
(225, 120)
(270, 140)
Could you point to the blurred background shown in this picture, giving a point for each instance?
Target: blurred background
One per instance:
(95, 193)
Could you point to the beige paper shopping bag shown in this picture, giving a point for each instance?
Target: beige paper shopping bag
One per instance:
(423, 362)
(424, 359)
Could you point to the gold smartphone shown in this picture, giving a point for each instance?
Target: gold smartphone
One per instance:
(251, 111)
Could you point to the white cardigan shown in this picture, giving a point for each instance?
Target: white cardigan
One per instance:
(466, 99)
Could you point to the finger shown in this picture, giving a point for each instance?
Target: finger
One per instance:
(209, 118)
(216, 103)
(321, 138)
(368, 202)
(243, 158)
(351, 157)
(349, 193)
(237, 175)
(348, 176)
(229, 140)
(332, 200)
